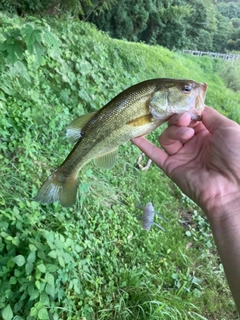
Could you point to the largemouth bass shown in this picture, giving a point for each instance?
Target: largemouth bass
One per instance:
(135, 112)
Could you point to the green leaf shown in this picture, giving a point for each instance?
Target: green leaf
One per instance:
(34, 312)
(33, 40)
(39, 51)
(12, 46)
(53, 254)
(50, 290)
(29, 268)
(13, 280)
(32, 247)
(2, 97)
(52, 42)
(44, 298)
(61, 261)
(50, 279)
(50, 39)
(31, 257)
(41, 267)
(17, 273)
(34, 295)
(7, 313)
(15, 209)
(19, 260)
(6, 87)
(15, 241)
(38, 284)
(21, 70)
(31, 36)
(5, 235)
(43, 314)
(15, 52)
(51, 267)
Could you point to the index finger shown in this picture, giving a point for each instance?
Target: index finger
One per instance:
(157, 155)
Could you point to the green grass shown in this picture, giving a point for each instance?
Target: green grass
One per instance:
(94, 261)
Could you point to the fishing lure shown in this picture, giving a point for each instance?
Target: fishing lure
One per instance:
(140, 166)
(147, 218)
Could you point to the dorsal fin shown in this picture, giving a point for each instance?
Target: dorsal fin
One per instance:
(75, 127)
(107, 160)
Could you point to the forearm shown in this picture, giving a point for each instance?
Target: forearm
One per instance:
(225, 224)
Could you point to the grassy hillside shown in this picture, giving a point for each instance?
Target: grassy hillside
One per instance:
(93, 261)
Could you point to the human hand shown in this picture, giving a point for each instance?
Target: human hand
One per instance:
(202, 158)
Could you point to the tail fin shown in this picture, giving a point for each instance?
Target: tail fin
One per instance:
(58, 187)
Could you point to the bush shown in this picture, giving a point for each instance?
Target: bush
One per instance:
(24, 7)
(231, 74)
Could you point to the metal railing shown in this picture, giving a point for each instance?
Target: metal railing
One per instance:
(215, 55)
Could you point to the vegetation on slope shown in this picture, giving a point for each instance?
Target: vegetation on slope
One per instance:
(93, 261)
(205, 25)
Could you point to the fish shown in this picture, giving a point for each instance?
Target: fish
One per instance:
(147, 219)
(134, 112)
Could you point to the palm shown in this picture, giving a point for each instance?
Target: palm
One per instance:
(199, 167)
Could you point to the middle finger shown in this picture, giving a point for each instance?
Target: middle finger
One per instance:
(173, 138)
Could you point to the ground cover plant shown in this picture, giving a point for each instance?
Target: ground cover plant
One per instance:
(93, 261)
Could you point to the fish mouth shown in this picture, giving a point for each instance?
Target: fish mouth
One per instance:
(199, 102)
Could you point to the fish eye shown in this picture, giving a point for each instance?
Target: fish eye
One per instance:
(186, 88)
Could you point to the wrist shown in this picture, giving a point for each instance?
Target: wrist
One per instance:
(224, 218)
(223, 208)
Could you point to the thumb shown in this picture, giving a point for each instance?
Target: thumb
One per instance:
(212, 120)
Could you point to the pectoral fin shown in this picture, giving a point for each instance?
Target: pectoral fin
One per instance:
(140, 121)
(75, 127)
(107, 160)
